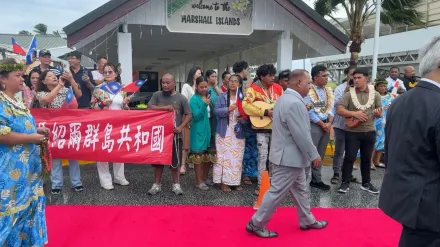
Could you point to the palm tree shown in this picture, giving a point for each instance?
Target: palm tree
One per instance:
(24, 32)
(40, 29)
(358, 12)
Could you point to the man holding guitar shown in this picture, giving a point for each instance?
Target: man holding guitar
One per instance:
(360, 105)
(258, 104)
(321, 116)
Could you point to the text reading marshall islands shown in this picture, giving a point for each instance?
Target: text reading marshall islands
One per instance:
(206, 19)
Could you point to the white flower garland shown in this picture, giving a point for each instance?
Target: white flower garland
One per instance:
(355, 100)
(15, 102)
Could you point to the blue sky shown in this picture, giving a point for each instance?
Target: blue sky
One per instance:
(19, 15)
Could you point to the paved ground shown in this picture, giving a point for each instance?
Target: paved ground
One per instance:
(141, 178)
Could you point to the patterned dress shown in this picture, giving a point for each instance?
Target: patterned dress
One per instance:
(230, 152)
(380, 122)
(22, 217)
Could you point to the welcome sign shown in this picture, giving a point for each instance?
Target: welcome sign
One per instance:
(228, 17)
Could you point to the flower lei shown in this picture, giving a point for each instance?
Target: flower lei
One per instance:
(355, 100)
(11, 67)
(329, 96)
(46, 161)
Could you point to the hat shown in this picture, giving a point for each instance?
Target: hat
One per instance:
(380, 81)
(75, 54)
(44, 52)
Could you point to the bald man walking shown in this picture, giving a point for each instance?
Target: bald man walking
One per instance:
(291, 152)
(409, 79)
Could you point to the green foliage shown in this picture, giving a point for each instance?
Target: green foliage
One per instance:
(40, 29)
(24, 32)
(394, 12)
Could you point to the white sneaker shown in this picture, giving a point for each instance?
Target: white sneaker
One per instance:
(107, 187)
(382, 165)
(156, 188)
(123, 182)
(177, 189)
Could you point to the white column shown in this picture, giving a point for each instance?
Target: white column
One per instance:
(376, 39)
(284, 51)
(125, 56)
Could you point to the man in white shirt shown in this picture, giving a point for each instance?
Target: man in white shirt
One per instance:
(393, 78)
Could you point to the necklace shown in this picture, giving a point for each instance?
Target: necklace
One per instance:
(355, 100)
(316, 99)
(14, 102)
(269, 95)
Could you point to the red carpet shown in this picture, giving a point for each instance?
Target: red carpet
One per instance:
(127, 226)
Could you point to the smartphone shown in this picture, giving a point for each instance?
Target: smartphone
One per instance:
(209, 94)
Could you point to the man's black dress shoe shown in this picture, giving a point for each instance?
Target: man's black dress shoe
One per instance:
(260, 232)
(320, 185)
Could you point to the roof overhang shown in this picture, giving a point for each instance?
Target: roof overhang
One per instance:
(115, 9)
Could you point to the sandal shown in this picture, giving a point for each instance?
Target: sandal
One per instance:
(225, 188)
(183, 170)
(238, 188)
(247, 181)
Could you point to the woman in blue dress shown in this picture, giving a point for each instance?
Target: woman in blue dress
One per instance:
(22, 217)
(387, 99)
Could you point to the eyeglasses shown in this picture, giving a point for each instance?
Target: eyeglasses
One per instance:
(108, 72)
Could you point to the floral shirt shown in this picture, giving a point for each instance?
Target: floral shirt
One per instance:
(59, 101)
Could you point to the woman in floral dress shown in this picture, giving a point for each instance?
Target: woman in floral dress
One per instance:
(230, 145)
(22, 202)
(52, 93)
(387, 99)
(103, 99)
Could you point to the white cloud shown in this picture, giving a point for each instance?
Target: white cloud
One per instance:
(17, 15)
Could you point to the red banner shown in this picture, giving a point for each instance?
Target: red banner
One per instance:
(137, 136)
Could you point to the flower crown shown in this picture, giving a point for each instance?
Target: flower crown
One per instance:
(11, 67)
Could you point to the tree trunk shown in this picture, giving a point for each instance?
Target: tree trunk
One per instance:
(355, 49)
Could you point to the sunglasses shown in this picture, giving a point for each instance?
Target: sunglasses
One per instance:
(108, 72)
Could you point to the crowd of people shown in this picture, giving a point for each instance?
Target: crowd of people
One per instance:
(238, 129)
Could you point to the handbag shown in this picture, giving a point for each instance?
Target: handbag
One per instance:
(239, 130)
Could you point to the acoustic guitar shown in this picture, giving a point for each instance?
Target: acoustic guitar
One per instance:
(258, 121)
(352, 122)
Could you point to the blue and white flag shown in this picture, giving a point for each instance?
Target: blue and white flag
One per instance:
(31, 50)
(111, 87)
(69, 96)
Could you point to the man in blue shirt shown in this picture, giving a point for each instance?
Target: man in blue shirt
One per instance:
(321, 116)
(83, 77)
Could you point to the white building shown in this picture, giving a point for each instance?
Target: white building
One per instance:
(157, 36)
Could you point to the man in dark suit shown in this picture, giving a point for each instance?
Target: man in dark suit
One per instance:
(411, 188)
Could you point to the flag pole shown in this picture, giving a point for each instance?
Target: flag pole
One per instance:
(376, 39)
